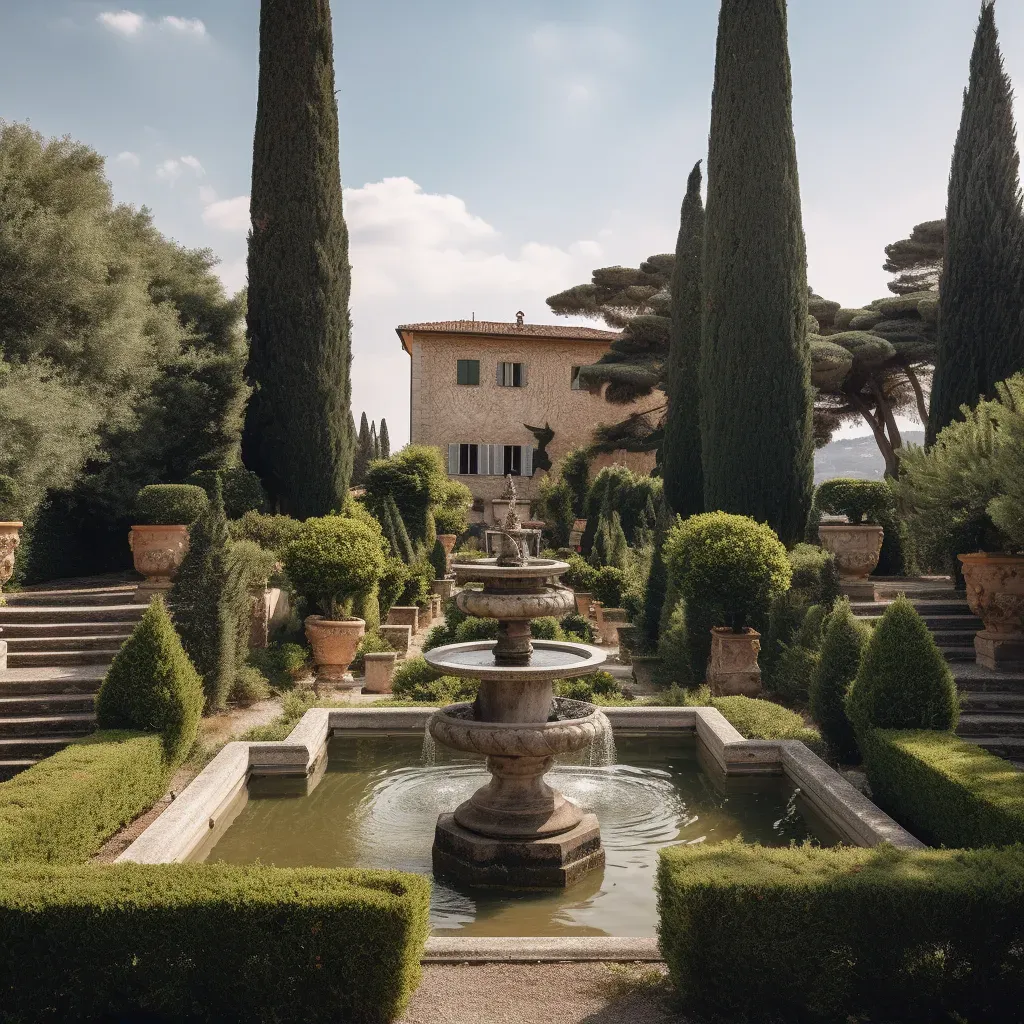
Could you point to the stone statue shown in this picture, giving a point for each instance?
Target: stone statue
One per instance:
(513, 549)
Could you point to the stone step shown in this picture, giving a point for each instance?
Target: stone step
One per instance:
(990, 725)
(1009, 747)
(36, 704)
(34, 747)
(91, 597)
(968, 624)
(12, 766)
(14, 615)
(23, 644)
(28, 630)
(19, 682)
(957, 653)
(67, 724)
(926, 609)
(54, 659)
(975, 677)
(993, 703)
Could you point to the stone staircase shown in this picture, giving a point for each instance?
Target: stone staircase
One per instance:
(992, 713)
(61, 638)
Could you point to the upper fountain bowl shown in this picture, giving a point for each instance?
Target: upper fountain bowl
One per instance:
(550, 660)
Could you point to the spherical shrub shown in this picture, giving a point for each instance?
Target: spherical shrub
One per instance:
(842, 645)
(170, 504)
(151, 685)
(332, 560)
(546, 628)
(274, 533)
(861, 501)
(576, 627)
(609, 585)
(722, 564)
(581, 575)
(903, 681)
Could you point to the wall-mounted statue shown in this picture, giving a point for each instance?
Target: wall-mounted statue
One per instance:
(544, 436)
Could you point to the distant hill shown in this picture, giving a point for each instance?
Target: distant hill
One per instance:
(856, 457)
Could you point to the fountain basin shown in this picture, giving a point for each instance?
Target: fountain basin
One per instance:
(550, 660)
(547, 600)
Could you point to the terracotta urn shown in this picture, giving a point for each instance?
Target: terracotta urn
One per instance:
(995, 592)
(334, 643)
(733, 669)
(448, 543)
(9, 541)
(583, 602)
(856, 548)
(157, 552)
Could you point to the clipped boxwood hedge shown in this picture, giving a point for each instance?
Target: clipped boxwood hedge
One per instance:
(809, 934)
(209, 943)
(64, 808)
(945, 791)
(170, 504)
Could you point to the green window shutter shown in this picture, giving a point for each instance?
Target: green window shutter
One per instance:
(468, 371)
(474, 371)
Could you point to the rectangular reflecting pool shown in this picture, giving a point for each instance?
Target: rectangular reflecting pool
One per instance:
(377, 804)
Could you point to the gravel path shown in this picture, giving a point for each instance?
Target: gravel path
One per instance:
(580, 993)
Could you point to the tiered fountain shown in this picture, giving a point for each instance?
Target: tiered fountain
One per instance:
(517, 831)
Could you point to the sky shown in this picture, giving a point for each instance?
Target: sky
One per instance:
(495, 153)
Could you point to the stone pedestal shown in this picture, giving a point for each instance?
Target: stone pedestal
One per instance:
(999, 650)
(9, 543)
(405, 615)
(857, 590)
(445, 589)
(436, 606)
(554, 862)
(608, 621)
(379, 668)
(399, 637)
(148, 589)
(733, 669)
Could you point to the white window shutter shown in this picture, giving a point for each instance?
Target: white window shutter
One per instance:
(453, 460)
(483, 459)
(522, 376)
(500, 373)
(527, 460)
(497, 460)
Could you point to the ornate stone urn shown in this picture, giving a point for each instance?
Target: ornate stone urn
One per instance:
(856, 550)
(157, 552)
(583, 602)
(334, 643)
(448, 543)
(733, 669)
(995, 592)
(9, 541)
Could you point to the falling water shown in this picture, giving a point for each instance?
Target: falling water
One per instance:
(602, 746)
(427, 754)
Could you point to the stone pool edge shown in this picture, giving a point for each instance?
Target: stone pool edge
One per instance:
(213, 799)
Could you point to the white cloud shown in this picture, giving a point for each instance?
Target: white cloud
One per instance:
(171, 170)
(187, 26)
(227, 214)
(191, 161)
(127, 23)
(131, 159)
(207, 195)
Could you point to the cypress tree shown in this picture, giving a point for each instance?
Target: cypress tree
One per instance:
(384, 440)
(755, 393)
(298, 436)
(363, 453)
(374, 442)
(981, 304)
(681, 454)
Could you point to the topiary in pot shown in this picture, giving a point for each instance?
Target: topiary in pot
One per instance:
(720, 565)
(608, 586)
(867, 505)
(903, 681)
(159, 540)
(170, 504)
(153, 686)
(333, 561)
(842, 645)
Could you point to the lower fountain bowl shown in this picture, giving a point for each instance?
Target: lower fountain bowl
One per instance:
(576, 726)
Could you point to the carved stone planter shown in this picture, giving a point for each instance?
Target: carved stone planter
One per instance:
(583, 603)
(444, 589)
(405, 615)
(157, 552)
(334, 643)
(733, 669)
(856, 550)
(448, 543)
(9, 541)
(379, 670)
(995, 592)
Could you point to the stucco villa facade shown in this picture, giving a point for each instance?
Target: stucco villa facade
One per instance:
(475, 385)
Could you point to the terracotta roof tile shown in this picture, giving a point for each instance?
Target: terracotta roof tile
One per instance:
(486, 327)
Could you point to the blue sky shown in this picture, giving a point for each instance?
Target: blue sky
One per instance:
(495, 153)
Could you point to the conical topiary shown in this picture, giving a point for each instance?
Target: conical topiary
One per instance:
(841, 648)
(903, 681)
(153, 686)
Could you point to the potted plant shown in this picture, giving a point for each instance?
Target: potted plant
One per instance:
(857, 543)
(330, 564)
(581, 577)
(9, 541)
(159, 539)
(451, 518)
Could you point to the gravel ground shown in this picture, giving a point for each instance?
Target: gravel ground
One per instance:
(579, 993)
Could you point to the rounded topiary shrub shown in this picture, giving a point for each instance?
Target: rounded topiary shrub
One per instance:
(581, 575)
(170, 505)
(903, 681)
(815, 575)
(724, 564)
(608, 586)
(472, 629)
(333, 560)
(151, 685)
(274, 533)
(576, 627)
(842, 644)
(861, 501)
(546, 628)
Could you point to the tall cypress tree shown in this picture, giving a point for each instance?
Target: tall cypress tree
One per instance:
(298, 434)
(363, 453)
(384, 440)
(981, 305)
(374, 442)
(755, 400)
(681, 453)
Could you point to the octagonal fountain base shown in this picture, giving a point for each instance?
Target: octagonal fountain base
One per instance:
(549, 863)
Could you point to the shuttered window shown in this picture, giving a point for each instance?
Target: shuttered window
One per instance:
(468, 371)
(574, 379)
(490, 460)
(511, 375)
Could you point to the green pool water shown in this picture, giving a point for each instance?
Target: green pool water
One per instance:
(377, 804)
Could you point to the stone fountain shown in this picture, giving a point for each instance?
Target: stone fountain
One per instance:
(516, 831)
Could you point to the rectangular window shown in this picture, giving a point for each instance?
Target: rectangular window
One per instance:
(469, 371)
(511, 375)
(575, 379)
(513, 461)
(469, 460)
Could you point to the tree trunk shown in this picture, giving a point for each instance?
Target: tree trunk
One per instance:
(915, 383)
(892, 465)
